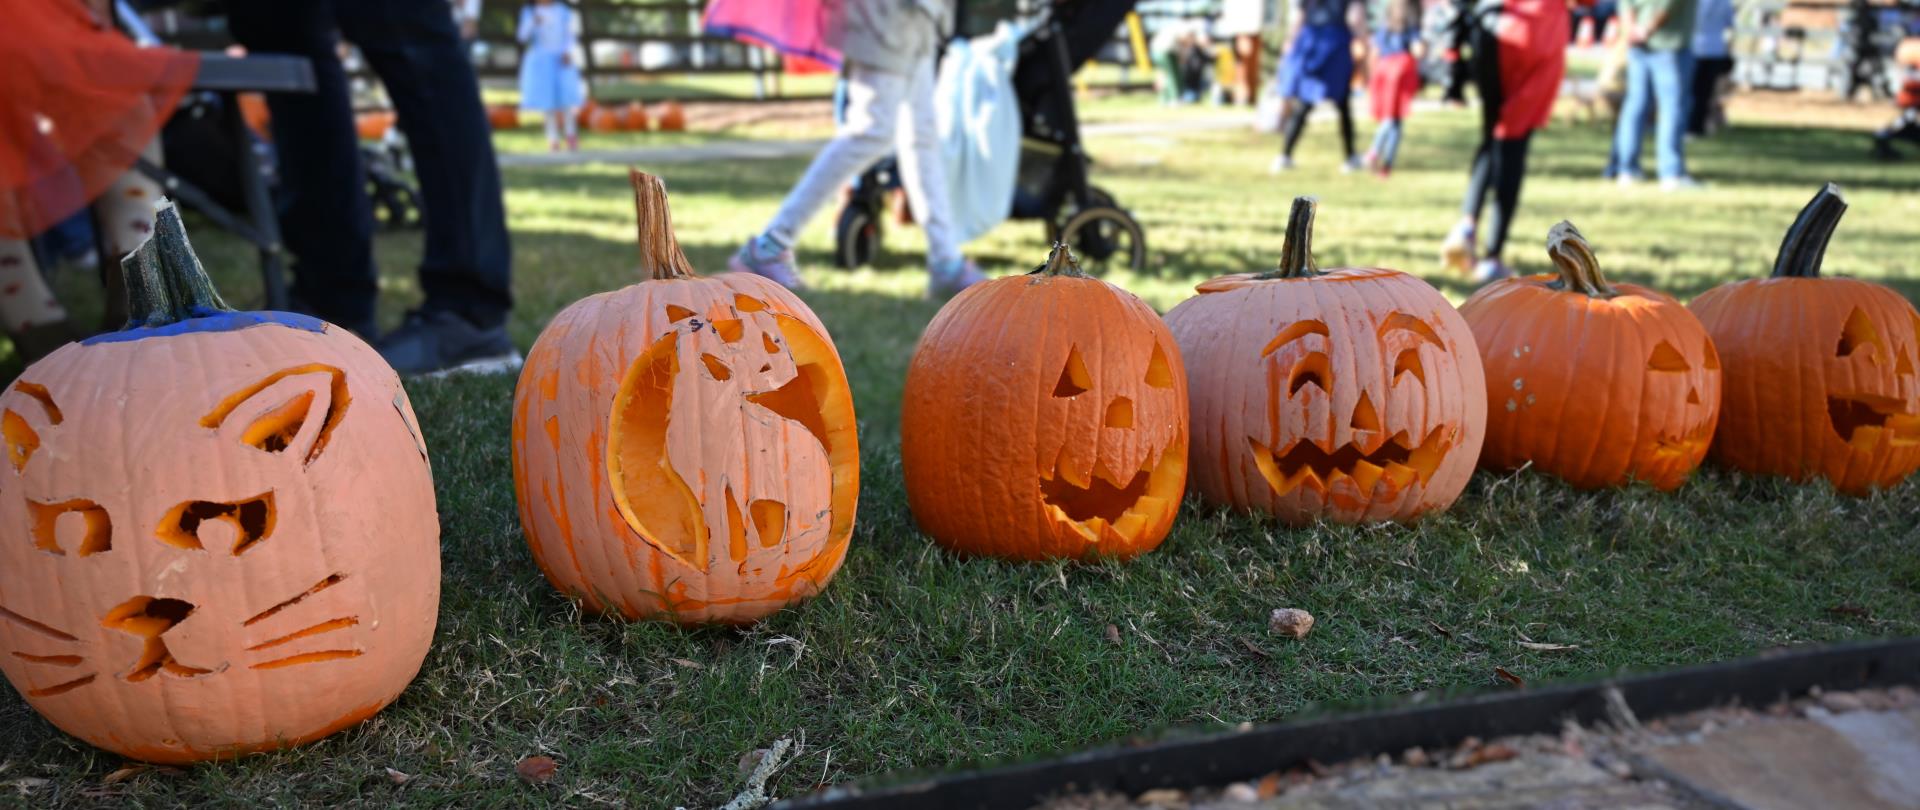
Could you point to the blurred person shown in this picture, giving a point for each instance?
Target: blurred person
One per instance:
(1393, 80)
(325, 215)
(1712, 63)
(889, 52)
(1241, 22)
(1518, 57)
(1318, 66)
(1659, 37)
(79, 104)
(549, 81)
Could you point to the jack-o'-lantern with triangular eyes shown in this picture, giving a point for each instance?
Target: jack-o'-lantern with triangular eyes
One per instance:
(1594, 382)
(684, 448)
(1350, 395)
(1045, 416)
(1820, 370)
(220, 526)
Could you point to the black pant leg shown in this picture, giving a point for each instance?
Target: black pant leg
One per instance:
(1484, 68)
(1509, 172)
(415, 48)
(325, 217)
(1344, 107)
(1295, 123)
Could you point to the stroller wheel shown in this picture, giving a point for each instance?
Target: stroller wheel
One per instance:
(856, 237)
(1105, 237)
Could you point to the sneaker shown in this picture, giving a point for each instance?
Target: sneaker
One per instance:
(573, 142)
(1457, 250)
(1352, 165)
(434, 342)
(1490, 270)
(1370, 160)
(947, 282)
(1281, 163)
(1627, 179)
(1681, 182)
(777, 267)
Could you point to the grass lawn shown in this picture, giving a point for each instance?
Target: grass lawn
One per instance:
(915, 659)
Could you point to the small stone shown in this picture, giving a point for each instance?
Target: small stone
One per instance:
(1416, 757)
(1162, 797)
(1240, 793)
(1841, 702)
(1292, 622)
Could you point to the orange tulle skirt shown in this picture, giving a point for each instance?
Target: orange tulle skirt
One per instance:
(78, 102)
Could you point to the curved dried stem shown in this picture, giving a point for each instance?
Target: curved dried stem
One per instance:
(1805, 245)
(1579, 268)
(1060, 262)
(660, 255)
(1296, 252)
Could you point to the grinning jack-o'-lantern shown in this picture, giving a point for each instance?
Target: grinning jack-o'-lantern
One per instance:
(684, 448)
(1352, 394)
(1820, 371)
(1045, 416)
(221, 529)
(1597, 383)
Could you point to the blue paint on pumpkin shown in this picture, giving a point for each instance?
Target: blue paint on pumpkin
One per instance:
(212, 320)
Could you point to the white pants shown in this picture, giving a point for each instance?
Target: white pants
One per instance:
(884, 111)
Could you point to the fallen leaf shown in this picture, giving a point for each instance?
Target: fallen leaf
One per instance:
(1497, 752)
(400, 778)
(1269, 786)
(1851, 611)
(686, 663)
(1438, 629)
(1517, 681)
(1251, 648)
(537, 770)
(1292, 622)
(1113, 634)
(123, 774)
(1545, 647)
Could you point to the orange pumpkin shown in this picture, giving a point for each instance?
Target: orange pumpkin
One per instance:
(669, 116)
(503, 116)
(1045, 416)
(584, 115)
(1819, 370)
(1351, 394)
(1597, 383)
(684, 448)
(253, 110)
(633, 117)
(223, 530)
(372, 125)
(604, 119)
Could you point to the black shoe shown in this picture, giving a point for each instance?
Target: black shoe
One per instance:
(366, 328)
(435, 342)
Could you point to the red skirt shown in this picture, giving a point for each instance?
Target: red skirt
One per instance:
(1391, 88)
(78, 103)
(1533, 61)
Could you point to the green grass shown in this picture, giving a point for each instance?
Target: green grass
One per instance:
(915, 659)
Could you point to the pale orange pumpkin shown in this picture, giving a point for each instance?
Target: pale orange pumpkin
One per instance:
(604, 119)
(669, 116)
(633, 117)
(1597, 383)
(684, 448)
(221, 527)
(1820, 370)
(1045, 416)
(1351, 394)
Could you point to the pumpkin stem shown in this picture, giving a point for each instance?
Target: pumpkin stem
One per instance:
(1296, 252)
(165, 282)
(660, 255)
(1060, 262)
(1579, 269)
(1806, 243)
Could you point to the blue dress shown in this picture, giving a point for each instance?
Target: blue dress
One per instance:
(547, 81)
(1320, 65)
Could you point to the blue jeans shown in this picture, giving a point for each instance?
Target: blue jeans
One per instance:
(1386, 142)
(1657, 89)
(325, 215)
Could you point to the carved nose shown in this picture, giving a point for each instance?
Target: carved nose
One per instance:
(1364, 415)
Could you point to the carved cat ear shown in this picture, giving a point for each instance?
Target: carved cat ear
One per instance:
(292, 411)
(17, 423)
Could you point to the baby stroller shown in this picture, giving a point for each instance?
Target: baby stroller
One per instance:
(1052, 185)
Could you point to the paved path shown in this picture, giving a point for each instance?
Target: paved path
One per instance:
(773, 149)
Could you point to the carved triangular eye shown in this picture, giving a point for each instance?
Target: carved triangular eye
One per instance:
(1667, 358)
(1858, 333)
(1159, 374)
(302, 421)
(1074, 379)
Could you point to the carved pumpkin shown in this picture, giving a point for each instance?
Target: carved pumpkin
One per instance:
(633, 117)
(684, 448)
(1351, 394)
(503, 116)
(1045, 416)
(222, 529)
(669, 116)
(1597, 383)
(1819, 370)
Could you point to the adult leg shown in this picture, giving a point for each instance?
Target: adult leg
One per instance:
(1666, 72)
(1344, 106)
(922, 171)
(873, 102)
(1700, 97)
(1509, 166)
(1295, 123)
(325, 216)
(414, 46)
(1631, 128)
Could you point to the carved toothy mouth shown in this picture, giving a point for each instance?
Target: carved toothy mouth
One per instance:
(1397, 461)
(1103, 501)
(1861, 421)
(1683, 446)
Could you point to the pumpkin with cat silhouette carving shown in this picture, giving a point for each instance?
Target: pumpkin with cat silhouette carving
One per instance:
(220, 528)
